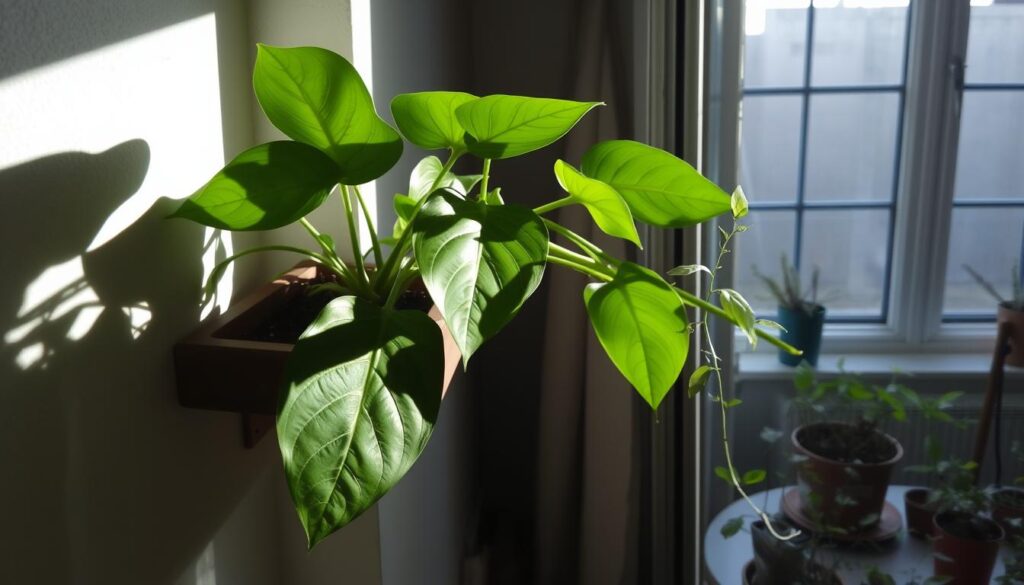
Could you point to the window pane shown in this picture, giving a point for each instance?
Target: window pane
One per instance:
(775, 43)
(771, 235)
(991, 146)
(850, 247)
(995, 43)
(989, 240)
(770, 147)
(857, 46)
(851, 147)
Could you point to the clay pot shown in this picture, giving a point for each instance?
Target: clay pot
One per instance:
(919, 512)
(966, 559)
(1016, 319)
(847, 496)
(1008, 510)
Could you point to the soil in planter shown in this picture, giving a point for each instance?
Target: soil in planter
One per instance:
(965, 527)
(287, 323)
(848, 444)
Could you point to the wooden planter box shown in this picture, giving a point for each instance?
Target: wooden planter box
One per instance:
(218, 368)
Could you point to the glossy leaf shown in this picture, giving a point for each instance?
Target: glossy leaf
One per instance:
(659, 188)
(754, 476)
(427, 119)
(607, 207)
(723, 474)
(363, 393)
(688, 269)
(740, 312)
(317, 97)
(503, 126)
(643, 327)
(265, 187)
(479, 262)
(425, 173)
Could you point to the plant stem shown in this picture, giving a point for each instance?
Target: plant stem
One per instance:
(223, 264)
(554, 259)
(553, 205)
(378, 255)
(485, 179)
(584, 244)
(353, 234)
(406, 273)
(584, 264)
(329, 253)
(695, 301)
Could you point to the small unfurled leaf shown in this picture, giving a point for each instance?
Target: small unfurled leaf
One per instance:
(427, 119)
(317, 97)
(740, 312)
(732, 403)
(503, 126)
(754, 476)
(425, 175)
(770, 435)
(642, 326)
(698, 379)
(769, 324)
(493, 197)
(605, 205)
(738, 201)
(659, 188)
(730, 528)
(723, 474)
(265, 187)
(688, 269)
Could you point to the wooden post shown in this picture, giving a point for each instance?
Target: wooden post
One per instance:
(992, 394)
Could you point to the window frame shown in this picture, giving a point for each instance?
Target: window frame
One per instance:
(936, 46)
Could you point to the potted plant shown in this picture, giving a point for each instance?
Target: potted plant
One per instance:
(1008, 502)
(792, 560)
(799, 313)
(844, 468)
(363, 382)
(1010, 310)
(966, 538)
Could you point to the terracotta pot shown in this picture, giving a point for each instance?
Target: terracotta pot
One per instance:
(1016, 319)
(842, 495)
(961, 558)
(919, 512)
(1009, 512)
(218, 367)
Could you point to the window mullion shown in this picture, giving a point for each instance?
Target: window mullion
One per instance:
(938, 40)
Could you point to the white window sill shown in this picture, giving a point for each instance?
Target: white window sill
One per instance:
(761, 365)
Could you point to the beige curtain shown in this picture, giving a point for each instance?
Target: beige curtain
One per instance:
(585, 446)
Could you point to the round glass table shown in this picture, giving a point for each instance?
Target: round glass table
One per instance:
(906, 558)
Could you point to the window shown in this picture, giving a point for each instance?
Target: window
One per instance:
(841, 151)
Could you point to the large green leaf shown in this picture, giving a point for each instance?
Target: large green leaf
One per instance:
(363, 393)
(661, 190)
(427, 119)
(317, 97)
(265, 187)
(480, 263)
(607, 207)
(503, 126)
(643, 327)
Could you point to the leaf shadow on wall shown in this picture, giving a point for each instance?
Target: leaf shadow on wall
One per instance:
(107, 479)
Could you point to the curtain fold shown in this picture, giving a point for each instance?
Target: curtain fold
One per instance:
(585, 448)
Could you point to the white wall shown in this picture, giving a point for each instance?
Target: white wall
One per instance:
(105, 107)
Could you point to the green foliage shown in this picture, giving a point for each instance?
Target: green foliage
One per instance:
(364, 382)
(732, 527)
(659, 188)
(790, 293)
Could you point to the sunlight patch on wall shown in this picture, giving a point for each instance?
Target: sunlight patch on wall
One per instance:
(362, 59)
(162, 87)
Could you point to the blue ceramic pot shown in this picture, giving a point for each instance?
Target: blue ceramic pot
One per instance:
(803, 331)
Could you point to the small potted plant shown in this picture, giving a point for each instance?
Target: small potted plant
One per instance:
(844, 468)
(966, 538)
(1010, 310)
(1008, 501)
(799, 313)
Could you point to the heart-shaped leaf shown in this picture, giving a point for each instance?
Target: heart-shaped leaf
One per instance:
(643, 327)
(317, 97)
(605, 205)
(503, 126)
(659, 188)
(363, 393)
(427, 119)
(480, 263)
(265, 187)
